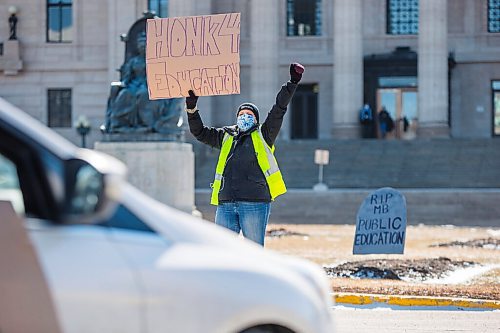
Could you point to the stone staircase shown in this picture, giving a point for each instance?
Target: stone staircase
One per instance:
(433, 163)
(445, 181)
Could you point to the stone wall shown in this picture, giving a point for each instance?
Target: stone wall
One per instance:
(89, 63)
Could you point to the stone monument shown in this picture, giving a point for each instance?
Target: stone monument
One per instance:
(129, 110)
(381, 223)
(147, 135)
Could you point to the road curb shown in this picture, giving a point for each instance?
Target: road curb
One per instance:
(366, 299)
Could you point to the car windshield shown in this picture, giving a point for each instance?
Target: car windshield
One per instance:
(125, 219)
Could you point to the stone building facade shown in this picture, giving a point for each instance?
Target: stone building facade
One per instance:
(434, 62)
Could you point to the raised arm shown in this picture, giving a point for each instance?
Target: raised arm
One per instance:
(209, 135)
(274, 119)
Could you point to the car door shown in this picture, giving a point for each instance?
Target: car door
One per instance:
(92, 286)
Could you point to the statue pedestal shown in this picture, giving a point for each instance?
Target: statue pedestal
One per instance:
(163, 170)
(10, 60)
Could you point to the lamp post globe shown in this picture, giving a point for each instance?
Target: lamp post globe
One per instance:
(12, 9)
(82, 126)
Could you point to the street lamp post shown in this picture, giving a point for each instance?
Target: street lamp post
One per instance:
(82, 126)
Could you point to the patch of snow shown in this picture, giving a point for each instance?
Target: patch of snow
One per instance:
(462, 275)
(491, 247)
(343, 307)
(494, 232)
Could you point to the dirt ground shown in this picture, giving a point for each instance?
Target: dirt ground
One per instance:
(432, 253)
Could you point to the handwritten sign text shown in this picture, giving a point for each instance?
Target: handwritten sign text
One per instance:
(381, 223)
(193, 52)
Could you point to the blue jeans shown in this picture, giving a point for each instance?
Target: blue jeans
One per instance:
(383, 130)
(249, 217)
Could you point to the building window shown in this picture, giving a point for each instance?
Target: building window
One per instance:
(397, 81)
(303, 17)
(59, 107)
(402, 17)
(59, 21)
(160, 7)
(493, 15)
(495, 87)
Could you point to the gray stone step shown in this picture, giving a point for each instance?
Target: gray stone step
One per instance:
(436, 163)
(460, 207)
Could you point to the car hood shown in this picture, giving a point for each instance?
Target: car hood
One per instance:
(190, 234)
(177, 226)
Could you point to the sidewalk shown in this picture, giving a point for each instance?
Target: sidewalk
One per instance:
(330, 245)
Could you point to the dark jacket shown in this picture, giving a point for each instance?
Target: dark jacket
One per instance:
(243, 179)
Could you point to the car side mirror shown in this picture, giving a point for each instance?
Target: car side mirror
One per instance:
(92, 187)
(85, 188)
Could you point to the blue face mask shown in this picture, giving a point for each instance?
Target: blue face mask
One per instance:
(245, 122)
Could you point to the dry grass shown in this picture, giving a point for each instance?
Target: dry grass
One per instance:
(388, 287)
(332, 244)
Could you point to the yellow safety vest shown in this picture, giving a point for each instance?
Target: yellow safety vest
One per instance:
(265, 158)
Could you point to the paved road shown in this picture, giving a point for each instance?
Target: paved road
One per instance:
(383, 320)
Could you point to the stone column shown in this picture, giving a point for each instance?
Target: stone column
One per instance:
(432, 69)
(264, 49)
(180, 8)
(121, 15)
(347, 67)
(190, 8)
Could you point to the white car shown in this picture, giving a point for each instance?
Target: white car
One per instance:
(104, 257)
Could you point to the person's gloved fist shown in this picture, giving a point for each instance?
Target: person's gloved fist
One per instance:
(191, 100)
(296, 71)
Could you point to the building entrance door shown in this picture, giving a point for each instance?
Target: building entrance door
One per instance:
(401, 104)
(496, 108)
(305, 112)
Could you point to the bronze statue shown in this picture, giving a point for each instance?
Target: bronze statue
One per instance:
(12, 26)
(129, 108)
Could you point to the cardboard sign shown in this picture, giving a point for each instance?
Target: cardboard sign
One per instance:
(199, 53)
(25, 301)
(381, 223)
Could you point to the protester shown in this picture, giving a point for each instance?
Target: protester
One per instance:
(247, 176)
(366, 120)
(385, 122)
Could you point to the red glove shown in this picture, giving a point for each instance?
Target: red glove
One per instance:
(296, 71)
